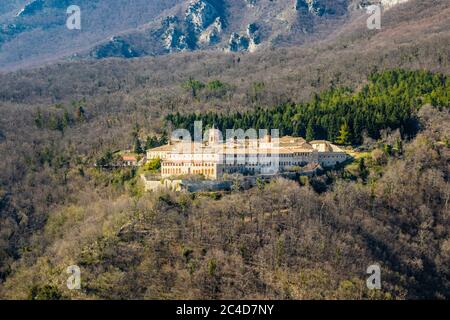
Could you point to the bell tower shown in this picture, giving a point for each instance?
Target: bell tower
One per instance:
(214, 136)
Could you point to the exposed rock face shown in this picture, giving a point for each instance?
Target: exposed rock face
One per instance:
(301, 5)
(175, 40)
(253, 33)
(35, 6)
(202, 24)
(200, 15)
(212, 34)
(309, 5)
(387, 4)
(35, 30)
(28, 18)
(173, 37)
(313, 6)
(195, 25)
(238, 43)
(390, 3)
(249, 42)
(31, 8)
(116, 47)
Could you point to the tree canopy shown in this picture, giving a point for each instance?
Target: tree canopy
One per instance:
(390, 100)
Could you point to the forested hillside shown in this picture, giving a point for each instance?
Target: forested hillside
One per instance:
(283, 240)
(387, 89)
(306, 239)
(389, 101)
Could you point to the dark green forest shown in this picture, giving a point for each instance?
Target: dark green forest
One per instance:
(390, 100)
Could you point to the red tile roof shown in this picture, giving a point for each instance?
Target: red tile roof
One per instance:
(129, 158)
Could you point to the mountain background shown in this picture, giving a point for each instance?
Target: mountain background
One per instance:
(414, 35)
(33, 32)
(38, 33)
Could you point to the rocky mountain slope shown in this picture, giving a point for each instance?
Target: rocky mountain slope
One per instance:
(34, 32)
(231, 25)
(415, 36)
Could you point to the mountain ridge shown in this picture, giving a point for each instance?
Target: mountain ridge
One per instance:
(37, 30)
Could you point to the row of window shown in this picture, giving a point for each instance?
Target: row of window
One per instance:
(171, 171)
(256, 156)
(207, 172)
(187, 164)
(178, 171)
(230, 162)
(289, 163)
(340, 156)
(292, 155)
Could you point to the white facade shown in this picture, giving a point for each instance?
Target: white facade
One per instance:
(213, 158)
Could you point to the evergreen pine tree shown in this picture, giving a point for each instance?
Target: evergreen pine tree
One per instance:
(138, 147)
(310, 131)
(398, 146)
(344, 135)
